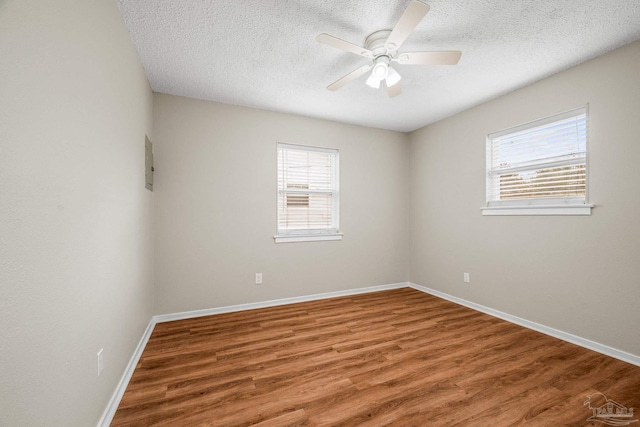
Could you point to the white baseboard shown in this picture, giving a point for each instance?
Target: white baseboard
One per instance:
(273, 303)
(565, 336)
(112, 406)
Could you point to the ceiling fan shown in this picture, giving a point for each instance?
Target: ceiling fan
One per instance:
(381, 48)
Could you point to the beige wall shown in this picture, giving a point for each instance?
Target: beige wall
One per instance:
(76, 244)
(577, 274)
(215, 204)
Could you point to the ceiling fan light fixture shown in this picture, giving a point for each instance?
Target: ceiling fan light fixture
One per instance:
(373, 81)
(381, 67)
(380, 70)
(393, 77)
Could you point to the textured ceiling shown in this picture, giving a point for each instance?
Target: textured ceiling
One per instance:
(263, 53)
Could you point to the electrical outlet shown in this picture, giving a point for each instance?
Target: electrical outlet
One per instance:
(100, 362)
(466, 278)
(258, 278)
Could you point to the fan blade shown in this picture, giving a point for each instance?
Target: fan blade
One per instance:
(343, 45)
(412, 15)
(349, 77)
(394, 90)
(449, 57)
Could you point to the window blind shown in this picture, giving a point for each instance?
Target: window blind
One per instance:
(307, 190)
(541, 162)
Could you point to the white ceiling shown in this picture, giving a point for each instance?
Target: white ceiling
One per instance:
(263, 53)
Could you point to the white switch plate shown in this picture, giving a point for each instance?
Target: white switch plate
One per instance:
(466, 278)
(258, 278)
(100, 362)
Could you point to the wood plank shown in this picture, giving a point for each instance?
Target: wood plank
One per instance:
(398, 357)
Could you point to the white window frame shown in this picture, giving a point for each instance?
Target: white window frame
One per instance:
(536, 206)
(318, 234)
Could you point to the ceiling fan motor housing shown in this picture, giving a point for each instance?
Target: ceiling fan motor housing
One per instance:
(382, 55)
(376, 43)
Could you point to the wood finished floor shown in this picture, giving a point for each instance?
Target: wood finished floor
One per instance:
(398, 357)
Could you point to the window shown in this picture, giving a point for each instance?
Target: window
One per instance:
(308, 197)
(539, 168)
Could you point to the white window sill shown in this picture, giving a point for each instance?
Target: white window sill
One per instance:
(290, 238)
(538, 210)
